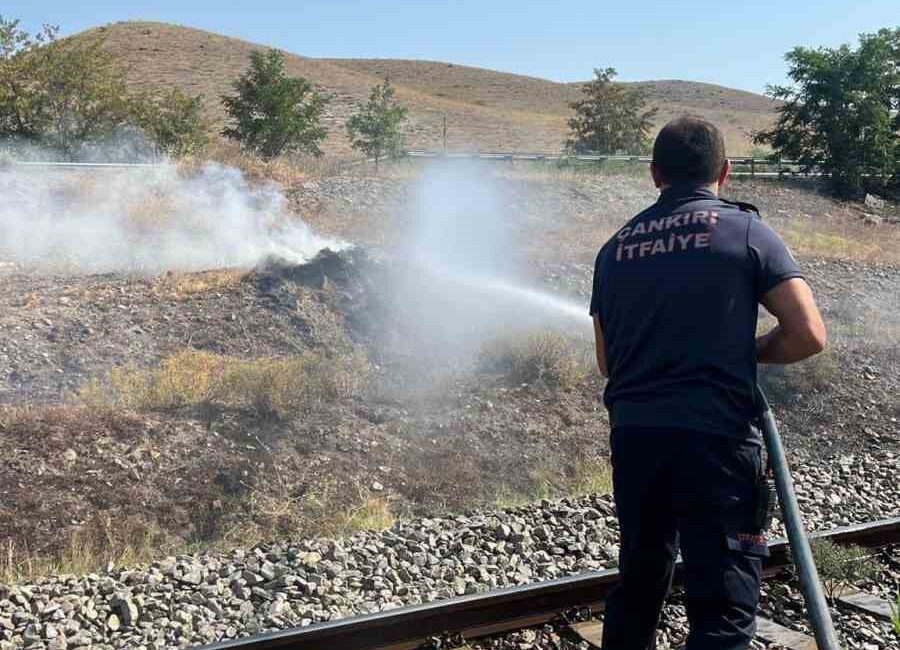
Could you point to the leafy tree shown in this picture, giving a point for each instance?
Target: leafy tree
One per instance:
(274, 113)
(841, 112)
(19, 106)
(376, 128)
(173, 121)
(60, 93)
(609, 118)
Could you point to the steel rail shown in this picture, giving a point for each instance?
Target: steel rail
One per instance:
(504, 610)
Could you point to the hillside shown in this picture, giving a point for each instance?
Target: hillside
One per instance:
(485, 109)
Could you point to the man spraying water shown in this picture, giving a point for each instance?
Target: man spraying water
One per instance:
(675, 303)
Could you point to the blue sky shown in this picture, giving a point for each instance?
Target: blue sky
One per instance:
(738, 44)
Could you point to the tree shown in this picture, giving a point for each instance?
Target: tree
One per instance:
(375, 129)
(19, 106)
(841, 112)
(59, 93)
(173, 121)
(609, 118)
(274, 113)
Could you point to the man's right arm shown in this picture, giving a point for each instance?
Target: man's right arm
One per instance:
(800, 332)
(782, 290)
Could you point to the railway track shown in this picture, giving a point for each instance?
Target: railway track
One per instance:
(504, 610)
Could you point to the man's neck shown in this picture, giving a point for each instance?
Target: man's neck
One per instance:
(712, 187)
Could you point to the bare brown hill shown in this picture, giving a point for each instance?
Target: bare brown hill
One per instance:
(485, 109)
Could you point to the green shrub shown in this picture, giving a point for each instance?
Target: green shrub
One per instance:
(840, 565)
(173, 121)
(895, 615)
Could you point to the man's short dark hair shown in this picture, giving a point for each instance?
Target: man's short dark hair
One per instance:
(689, 150)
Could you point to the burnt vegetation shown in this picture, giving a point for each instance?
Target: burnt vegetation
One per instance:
(147, 414)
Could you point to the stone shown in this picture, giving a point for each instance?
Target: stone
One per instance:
(192, 577)
(873, 201)
(58, 643)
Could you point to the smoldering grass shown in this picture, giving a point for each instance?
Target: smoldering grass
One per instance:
(545, 356)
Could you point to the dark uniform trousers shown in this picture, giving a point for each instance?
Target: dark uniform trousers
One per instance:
(698, 491)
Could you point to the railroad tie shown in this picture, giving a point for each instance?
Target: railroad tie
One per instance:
(772, 632)
(867, 604)
(590, 631)
(767, 630)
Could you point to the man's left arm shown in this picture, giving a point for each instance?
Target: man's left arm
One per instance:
(600, 345)
(599, 341)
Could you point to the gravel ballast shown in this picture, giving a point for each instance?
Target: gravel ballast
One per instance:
(188, 600)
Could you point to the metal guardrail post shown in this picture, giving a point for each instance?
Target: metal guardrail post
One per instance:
(819, 615)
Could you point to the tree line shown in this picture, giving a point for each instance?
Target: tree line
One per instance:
(841, 112)
(840, 115)
(273, 114)
(71, 96)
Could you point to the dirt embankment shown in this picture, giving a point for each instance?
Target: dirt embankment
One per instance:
(208, 471)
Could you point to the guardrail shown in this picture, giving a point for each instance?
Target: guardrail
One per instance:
(753, 167)
(80, 165)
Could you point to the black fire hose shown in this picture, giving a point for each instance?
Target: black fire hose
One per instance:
(819, 616)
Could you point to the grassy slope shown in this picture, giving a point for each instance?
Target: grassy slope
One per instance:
(485, 109)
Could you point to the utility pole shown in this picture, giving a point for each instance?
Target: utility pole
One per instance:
(445, 134)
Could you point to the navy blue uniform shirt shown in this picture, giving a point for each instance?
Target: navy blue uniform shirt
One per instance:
(677, 291)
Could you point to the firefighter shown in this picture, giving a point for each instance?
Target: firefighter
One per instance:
(675, 303)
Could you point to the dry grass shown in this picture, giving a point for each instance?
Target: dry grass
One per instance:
(275, 510)
(583, 478)
(543, 356)
(592, 477)
(279, 508)
(805, 241)
(818, 374)
(269, 387)
(96, 546)
(285, 171)
(816, 225)
(179, 286)
(484, 109)
(373, 513)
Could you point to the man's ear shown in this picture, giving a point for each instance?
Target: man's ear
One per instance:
(725, 173)
(658, 180)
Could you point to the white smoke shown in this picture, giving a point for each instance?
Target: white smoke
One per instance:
(466, 280)
(147, 219)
